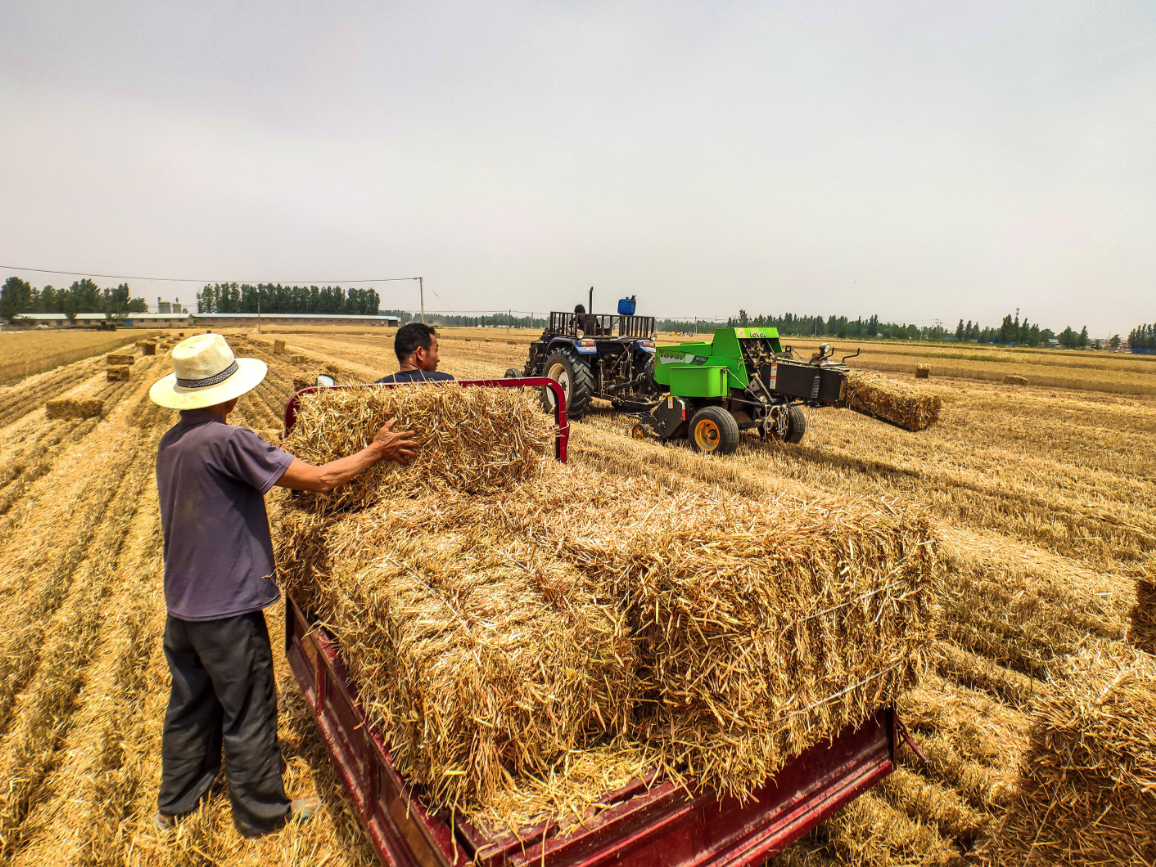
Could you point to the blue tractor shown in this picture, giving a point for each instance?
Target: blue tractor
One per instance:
(610, 356)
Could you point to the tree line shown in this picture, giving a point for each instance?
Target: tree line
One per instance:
(83, 296)
(1143, 337)
(1010, 331)
(275, 298)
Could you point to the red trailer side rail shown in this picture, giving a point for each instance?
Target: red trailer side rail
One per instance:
(651, 823)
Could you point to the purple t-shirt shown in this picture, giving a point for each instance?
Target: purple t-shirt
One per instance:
(212, 479)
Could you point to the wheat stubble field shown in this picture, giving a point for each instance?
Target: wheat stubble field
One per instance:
(1044, 496)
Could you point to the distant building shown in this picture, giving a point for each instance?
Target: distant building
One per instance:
(157, 320)
(249, 320)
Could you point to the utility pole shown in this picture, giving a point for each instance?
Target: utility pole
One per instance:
(421, 288)
(258, 315)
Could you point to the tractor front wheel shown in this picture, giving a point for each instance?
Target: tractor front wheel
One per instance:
(714, 431)
(567, 369)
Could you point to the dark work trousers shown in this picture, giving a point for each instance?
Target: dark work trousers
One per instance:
(224, 695)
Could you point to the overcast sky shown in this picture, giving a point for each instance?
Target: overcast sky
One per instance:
(917, 161)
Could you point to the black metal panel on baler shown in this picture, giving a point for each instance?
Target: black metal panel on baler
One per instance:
(805, 381)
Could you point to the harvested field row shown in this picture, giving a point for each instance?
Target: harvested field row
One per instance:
(24, 353)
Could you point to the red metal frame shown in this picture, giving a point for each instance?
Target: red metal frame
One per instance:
(659, 824)
(560, 420)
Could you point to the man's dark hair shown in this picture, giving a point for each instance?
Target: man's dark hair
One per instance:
(579, 308)
(410, 337)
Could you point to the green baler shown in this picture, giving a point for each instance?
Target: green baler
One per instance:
(741, 379)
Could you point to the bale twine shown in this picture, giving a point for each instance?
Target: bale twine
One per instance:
(73, 408)
(891, 400)
(117, 374)
(1086, 784)
(278, 347)
(922, 371)
(469, 439)
(1014, 379)
(120, 359)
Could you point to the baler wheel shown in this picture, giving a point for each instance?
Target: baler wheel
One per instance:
(638, 432)
(796, 423)
(565, 367)
(714, 431)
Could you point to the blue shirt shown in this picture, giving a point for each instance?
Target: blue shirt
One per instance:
(417, 375)
(211, 480)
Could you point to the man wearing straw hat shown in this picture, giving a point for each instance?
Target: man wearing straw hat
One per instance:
(212, 479)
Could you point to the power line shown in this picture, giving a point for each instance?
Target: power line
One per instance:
(190, 279)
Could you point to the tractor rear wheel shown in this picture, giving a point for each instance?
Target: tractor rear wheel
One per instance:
(565, 367)
(714, 431)
(796, 424)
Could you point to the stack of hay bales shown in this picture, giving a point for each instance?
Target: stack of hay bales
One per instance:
(922, 371)
(499, 610)
(73, 408)
(278, 347)
(891, 400)
(1088, 784)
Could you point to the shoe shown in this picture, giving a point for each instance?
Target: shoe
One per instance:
(164, 825)
(303, 809)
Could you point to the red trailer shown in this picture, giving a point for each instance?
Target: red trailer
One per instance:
(648, 823)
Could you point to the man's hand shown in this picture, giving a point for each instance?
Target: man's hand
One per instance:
(399, 447)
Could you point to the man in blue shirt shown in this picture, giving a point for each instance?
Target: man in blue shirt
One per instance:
(416, 347)
(212, 479)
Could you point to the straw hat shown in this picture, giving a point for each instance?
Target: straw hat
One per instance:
(206, 373)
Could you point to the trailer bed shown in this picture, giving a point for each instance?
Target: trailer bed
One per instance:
(651, 822)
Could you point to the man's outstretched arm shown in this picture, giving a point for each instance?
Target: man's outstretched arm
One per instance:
(386, 446)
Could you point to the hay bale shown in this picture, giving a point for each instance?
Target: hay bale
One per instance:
(1086, 785)
(760, 639)
(469, 439)
(72, 408)
(278, 347)
(1013, 379)
(891, 400)
(299, 359)
(477, 660)
(149, 348)
(300, 383)
(747, 646)
(117, 374)
(1143, 629)
(922, 371)
(121, 360)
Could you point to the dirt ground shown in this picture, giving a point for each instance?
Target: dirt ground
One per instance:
(1044, 496)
